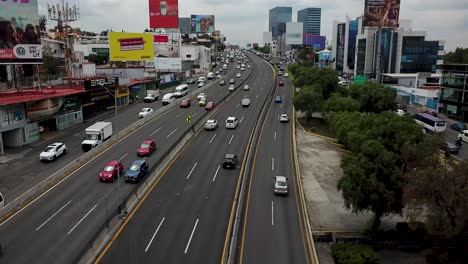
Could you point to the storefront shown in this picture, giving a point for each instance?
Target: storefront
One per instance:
(99, 96)
(138, 89)
(123, 94)
(70, 112)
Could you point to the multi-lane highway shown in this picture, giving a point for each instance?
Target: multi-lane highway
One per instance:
(271, 230)
(185, 218)
(58, 226)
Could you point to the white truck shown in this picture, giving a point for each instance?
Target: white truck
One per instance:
(96, 134)
(151, 96)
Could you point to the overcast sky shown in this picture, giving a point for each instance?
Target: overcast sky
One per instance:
(243, 21)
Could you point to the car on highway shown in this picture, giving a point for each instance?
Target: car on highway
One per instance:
(231, 88)
(286, 75)
(201, 95)
(281, 83)
(280, 73)
(216, 72)
(278, 99)
(190, 81)
(201, 84)
(230, 161)
(201, 79)
(246, 87)
(242, 69)
(203, 102)
(222, 82)
(239, 75)
(232, 81)
(136, 171)
(111, 171)
(53, 151)
(458, 127)
(145, 112)
(146, 148)
(231, 122)
(186, 103)
(248, 66)
(221, 70)
(210, 106)
(225, 66)
(238, 67)
(218, 76)
(211, 124)
(280, 185)
(246, 102)
(463, 135)
(284, 118)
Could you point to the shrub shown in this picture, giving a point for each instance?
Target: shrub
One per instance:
(354, 254)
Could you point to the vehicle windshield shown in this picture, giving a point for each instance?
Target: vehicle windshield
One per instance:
(440, 124)
(144, 146)
(281, 184)
(109, 168)
(134, 167)
(92, 137)
(49, 149)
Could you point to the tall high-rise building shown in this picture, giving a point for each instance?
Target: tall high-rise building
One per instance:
(277, 18)
(310, 18)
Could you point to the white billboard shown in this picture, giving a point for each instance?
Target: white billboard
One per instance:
(167, 52)
(267, 37)
(294, 33)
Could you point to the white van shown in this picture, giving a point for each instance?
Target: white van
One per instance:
(181, 90)
(168, 98)
(210, 76)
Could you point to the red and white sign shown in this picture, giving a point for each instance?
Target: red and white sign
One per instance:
(132, 44)
(164, 14)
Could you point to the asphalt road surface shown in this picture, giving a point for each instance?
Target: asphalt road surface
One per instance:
(185, 218)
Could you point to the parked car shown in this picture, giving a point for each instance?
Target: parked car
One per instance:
(400, 112)
(210, 106)
(53, 151)
(111, 171)
(146, 148)
(186, 103)
(145, 112)
(136, 171)
(458, 127)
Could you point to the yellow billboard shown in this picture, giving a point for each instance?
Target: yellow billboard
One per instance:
(131, 46)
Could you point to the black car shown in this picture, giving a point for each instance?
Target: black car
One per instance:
(451, 148)
(230, 161)
(136, 171)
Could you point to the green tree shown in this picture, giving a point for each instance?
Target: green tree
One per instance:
(460, 55)
(373, 98)
(308, 100)
(338, 103)
(49, 62)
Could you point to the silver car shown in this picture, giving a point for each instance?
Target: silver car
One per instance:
(280, 185)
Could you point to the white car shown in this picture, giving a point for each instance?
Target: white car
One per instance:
(238, 67)
(218, 76)
(280, 185)
(145, 112)
(463, 135)
(238, 75)
(211, 124)
(286, 74)
(400, 112)
(248, 66)
(53, 151)
(231, 122)
(284, 118)
(231, 88)
(242, 69)
(246, 102)
(246, 87)
(201, 79)
(201, 84)
(342, 83)
(201, 95)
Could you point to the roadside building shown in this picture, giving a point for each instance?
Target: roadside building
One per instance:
(454, 93)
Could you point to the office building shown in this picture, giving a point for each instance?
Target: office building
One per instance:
(310, 17)
(277, 19)
(454, 91)
(344, 45)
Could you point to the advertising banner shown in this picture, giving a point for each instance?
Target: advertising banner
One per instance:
(167, 51)
(202, 24)
(20, 40)
(340, 45)
(164, 14)
(294, 32)
(131, 46)
(314, 41)
(381, 13)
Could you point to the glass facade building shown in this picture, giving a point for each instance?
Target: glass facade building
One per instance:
(277, 19)
(352, 33)
(454, 91)
(418, 55)
(310, 18)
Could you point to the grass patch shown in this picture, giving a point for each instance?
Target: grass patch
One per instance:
(317, 125)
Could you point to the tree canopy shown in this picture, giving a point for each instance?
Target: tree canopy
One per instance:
(460, 55)
(309, 100)
(373, 97)
(339, 103)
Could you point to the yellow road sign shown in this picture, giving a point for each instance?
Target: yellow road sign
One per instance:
(188, 119)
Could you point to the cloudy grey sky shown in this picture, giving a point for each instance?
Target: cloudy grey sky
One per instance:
(243, 21)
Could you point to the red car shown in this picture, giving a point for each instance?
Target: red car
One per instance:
(186, 103)
(210, 106)
(281, 83)
(146, 148)
(109, 173)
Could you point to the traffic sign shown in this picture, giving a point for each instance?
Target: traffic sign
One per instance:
(188, 119)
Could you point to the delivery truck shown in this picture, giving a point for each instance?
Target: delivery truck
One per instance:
(96, 134)
(151, 96)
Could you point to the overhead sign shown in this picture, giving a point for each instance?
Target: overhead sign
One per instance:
(202, 23)
(167, 52)
(20, 41)
(131, 46)
(294, 32)
(381, 13)
(164, 14)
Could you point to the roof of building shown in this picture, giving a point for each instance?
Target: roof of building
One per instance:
(14, 97)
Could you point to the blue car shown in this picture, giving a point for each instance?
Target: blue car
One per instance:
(136, 171)
(278, 99)
(458, 127)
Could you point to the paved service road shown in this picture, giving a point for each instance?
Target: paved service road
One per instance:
(58, 226)
(272, 232)
(185, 218)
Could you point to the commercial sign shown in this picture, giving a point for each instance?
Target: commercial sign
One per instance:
(164, 14)
(381, 13)
(20, 40)
(102, 82)
(131, 46)
(167, 52)
(340, 45)
(294, 32)
(314, 41)
(202, 24)
(122, 91)
(42, 109)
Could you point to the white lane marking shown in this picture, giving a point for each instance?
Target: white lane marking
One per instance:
(262, 88)
(81, 220)
(272, 215)
(241, 119)
(273, 163)
(157, 229)
(123, 157)
(256, 96)
(190, 173)
(231, 139)
(238, 106)
(179, 114)
(190, 239)
(274, 138)
(245, 96)
(50, 218)
(172, 133)
(211, 140)
(216, 173)
(195, 114)
(281, 105)
(157, 130)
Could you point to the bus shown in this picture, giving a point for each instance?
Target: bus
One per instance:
(430, 122)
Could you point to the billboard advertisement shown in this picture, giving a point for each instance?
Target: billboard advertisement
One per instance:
(131, 46)
(202, 24)
(314, 41)
(294, 32)
(20, 40)
(167, 51)
(381, 13)
(164, 14)
(340, 46)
